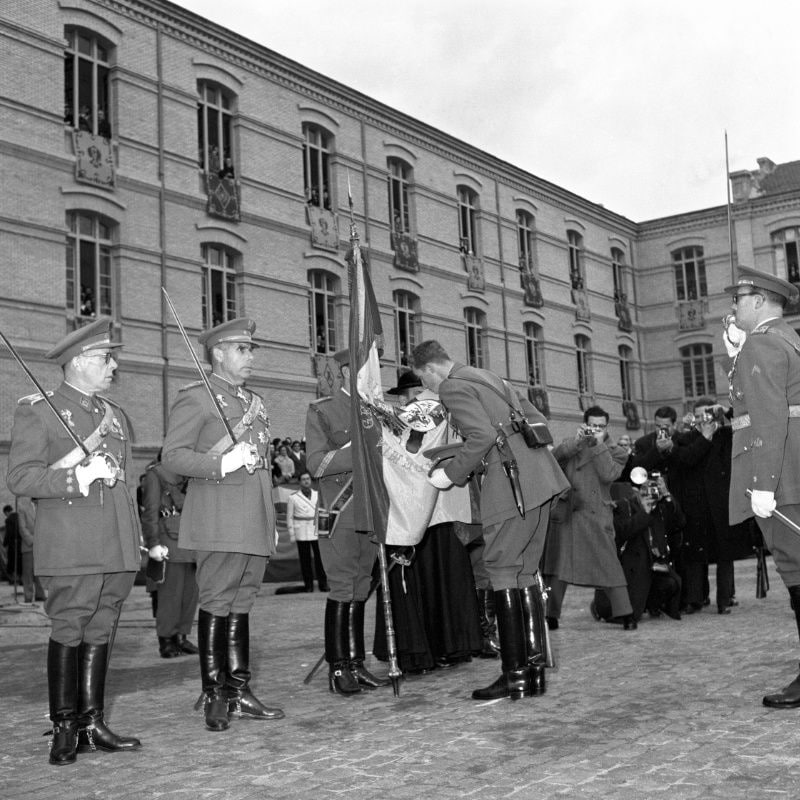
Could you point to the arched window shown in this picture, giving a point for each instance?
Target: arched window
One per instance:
(524, 243)
(575, 249)
(474, 326)
(399, 210)
(626, 385)
(406, 324)
(785, 244)
(467, 219)
(690, 273)
(317, 148)
(583, 364)
(698, 371)
(219, 284)
(534, 355)
(215, 110)
(323, 288)
(89, 285)
(86, 84)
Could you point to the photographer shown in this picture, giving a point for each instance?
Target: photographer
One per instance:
(647, 525)
(580, 547)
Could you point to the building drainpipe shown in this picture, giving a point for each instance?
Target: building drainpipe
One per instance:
(638, 333)
(502, 278)
(162, 232)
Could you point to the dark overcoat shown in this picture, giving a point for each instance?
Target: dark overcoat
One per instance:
(74, 535)
(230, 514)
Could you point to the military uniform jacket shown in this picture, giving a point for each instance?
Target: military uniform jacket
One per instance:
(163, 497)
(328, 460)
(231, 514)
(74, 535)
(476, 411)
(765, 381)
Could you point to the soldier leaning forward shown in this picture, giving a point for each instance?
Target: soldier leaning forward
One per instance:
(86, 543)
(228, 517)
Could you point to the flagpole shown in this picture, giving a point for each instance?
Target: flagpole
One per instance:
(358, 265)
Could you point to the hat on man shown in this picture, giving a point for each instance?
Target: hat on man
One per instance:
(94, 336)
(753, 279)
(408, 380)
(342, 357)
(240, 329)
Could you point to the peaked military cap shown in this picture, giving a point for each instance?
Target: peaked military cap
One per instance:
(754, 279)
(240, 329)
(94, 336)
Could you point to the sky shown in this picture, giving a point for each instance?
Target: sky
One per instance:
(623, 102)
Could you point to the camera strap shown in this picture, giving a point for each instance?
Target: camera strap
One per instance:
(504, 395)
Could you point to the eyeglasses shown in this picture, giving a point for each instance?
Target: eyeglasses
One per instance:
(105, 356)
(737, 297)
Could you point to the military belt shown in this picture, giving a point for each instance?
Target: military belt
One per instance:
(743, 420)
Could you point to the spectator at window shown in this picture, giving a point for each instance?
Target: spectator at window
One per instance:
(85, 120)
(103, 125)
(69, 119)
(227, 170)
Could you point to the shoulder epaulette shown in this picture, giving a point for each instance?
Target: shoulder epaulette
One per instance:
(191, 385)
(32, 399)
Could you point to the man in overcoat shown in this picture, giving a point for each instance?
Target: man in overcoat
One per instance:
(765, 394)
(348, 555)
(86, 541)
(228, 517)
(581, 548)
(519, 484)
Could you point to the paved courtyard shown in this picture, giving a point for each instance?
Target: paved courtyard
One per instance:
(671, 710)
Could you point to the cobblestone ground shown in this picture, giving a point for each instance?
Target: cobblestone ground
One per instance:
(672, 709)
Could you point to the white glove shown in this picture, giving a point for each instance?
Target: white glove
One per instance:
(158, 552)
(97, 468)
(732, 337)
(439, 479)
(762, 503)
(240, 455)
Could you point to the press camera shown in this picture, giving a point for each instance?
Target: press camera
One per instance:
(649, 483)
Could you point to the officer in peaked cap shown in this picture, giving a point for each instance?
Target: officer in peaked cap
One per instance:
(86, 544)
(765, 394)
(228, 517)
(348, 556)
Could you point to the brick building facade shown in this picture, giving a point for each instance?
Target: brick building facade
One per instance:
(142, 145)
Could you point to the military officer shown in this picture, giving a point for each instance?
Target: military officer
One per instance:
(228, 517)
(765, 394)
(487, 413)
(348, 556)
(86, 543)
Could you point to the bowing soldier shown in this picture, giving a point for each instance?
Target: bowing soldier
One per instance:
(86, 542)
(228, 517)
(765, 395)
(348, 556)
(520, 481)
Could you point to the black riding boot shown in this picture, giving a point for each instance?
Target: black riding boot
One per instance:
(533, 614)
(357, 650)
(62, 684)
(212, 633)
(490, 647)
(515, 682)
(241, 701)
(94, 733)
(337, 648)
(789, 696)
